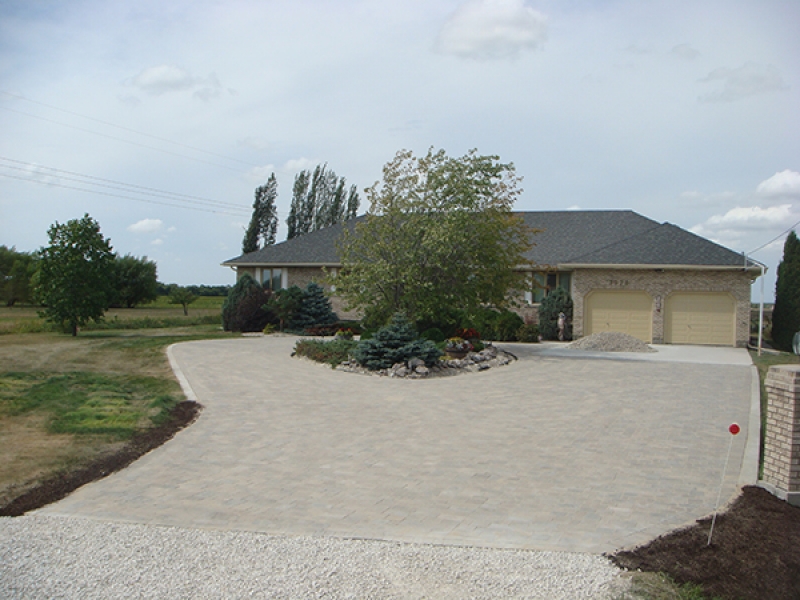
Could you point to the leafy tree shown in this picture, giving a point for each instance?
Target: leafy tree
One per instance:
(320, 199)
(264, 221)
(398, 342)
(786, 314)
(314, 309)
(243, 309)
(285, 303)
(556, 302)
(135, 281)
(439, 234)
(183, 296)
(16, 272)
(75, 274)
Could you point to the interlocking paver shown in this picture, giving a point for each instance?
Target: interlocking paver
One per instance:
(548, 453)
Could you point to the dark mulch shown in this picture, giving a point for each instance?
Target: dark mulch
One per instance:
(63, 484)
(754, 553)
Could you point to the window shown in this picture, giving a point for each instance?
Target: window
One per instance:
(544, 282)
(271, 279)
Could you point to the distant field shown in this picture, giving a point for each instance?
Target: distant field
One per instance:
(206, 310)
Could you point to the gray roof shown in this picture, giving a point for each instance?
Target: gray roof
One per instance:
(570, 237)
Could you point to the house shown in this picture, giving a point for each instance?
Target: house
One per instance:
(625, 272)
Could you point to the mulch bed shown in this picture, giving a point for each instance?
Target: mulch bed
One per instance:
(754, 553)
(61, 485)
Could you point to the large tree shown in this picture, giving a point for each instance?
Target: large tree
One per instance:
(75, 282)
(320, 199)
(786, 314)
(135, 281)
(264, 221)
(439, 234)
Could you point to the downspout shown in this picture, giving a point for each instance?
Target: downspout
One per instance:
(761, 310)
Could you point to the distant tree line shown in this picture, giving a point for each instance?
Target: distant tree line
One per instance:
(164, 289)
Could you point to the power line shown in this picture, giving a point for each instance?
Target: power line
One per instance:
(111, 137)
(123, 128)
(102, 193)
(777, 237)
(119, 185)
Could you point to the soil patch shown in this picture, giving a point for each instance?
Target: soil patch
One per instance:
(61, 485)
(754, 553)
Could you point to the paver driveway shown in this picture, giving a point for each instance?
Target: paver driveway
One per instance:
(547, 453)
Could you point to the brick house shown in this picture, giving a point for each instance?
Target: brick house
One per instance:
(625, 272)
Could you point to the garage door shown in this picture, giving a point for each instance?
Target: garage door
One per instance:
(626, 312)
(700, 318)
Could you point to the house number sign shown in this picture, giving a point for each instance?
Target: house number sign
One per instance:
(618, 283)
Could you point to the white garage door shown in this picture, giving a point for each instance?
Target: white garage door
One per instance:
(623, 311)
(700, 318)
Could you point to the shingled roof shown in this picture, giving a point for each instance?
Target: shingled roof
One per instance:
(571, 237)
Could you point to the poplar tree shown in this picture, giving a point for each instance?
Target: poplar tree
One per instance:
(786, 314)
(320, 199)
(264, 221)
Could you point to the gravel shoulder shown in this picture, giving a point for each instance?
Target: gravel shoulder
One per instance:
(54, 557)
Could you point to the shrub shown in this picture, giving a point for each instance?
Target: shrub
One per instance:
(333, 352)
(396, 343)
(321, 330)
(243, 309)
(556, 302)
(497, 324)
(434, 334)
(528, 333)
(468, 334)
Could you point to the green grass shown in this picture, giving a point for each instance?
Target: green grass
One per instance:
(658, 586)
(88, 403)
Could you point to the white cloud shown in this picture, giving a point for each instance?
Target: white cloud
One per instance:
(146, 226)
(747, 227)
(260, 174)
(747, 80)
(298, 164)
(172, 229)
(782, 184)
(753, 217)
(164, 79)
(685, 51)
(492, 29)
(157, 242)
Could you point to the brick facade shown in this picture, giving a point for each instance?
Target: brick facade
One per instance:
(659, 284)
(782, 436)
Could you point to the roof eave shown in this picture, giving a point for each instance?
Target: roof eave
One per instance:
(752, 268)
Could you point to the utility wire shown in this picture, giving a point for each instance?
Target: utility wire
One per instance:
(123, 128)
(103, 193)
(119, 185)
(111, 137)
(777, 237)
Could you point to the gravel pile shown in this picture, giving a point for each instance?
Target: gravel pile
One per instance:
(611, 341)
(53, 557)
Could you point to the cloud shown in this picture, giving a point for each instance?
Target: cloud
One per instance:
(492, 29)
(164, 79)
(746, 227)
(748, 80)
(146, 226)
(685, 51)
(260, 174)
(298, 164)
(157, 242)
(783, 184)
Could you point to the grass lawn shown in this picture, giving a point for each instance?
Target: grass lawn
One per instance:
(65, 401)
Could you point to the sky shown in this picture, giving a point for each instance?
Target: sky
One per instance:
(160, 119)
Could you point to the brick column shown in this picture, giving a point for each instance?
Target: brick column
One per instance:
(782, 437)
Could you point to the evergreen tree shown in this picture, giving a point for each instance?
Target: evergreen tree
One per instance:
(320, 199)
(786, 314)
(398, 342)
(243, 309)
(315, 309)
(556, 302)
(264, 221)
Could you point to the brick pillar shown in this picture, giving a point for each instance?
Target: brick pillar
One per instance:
(782, 437)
